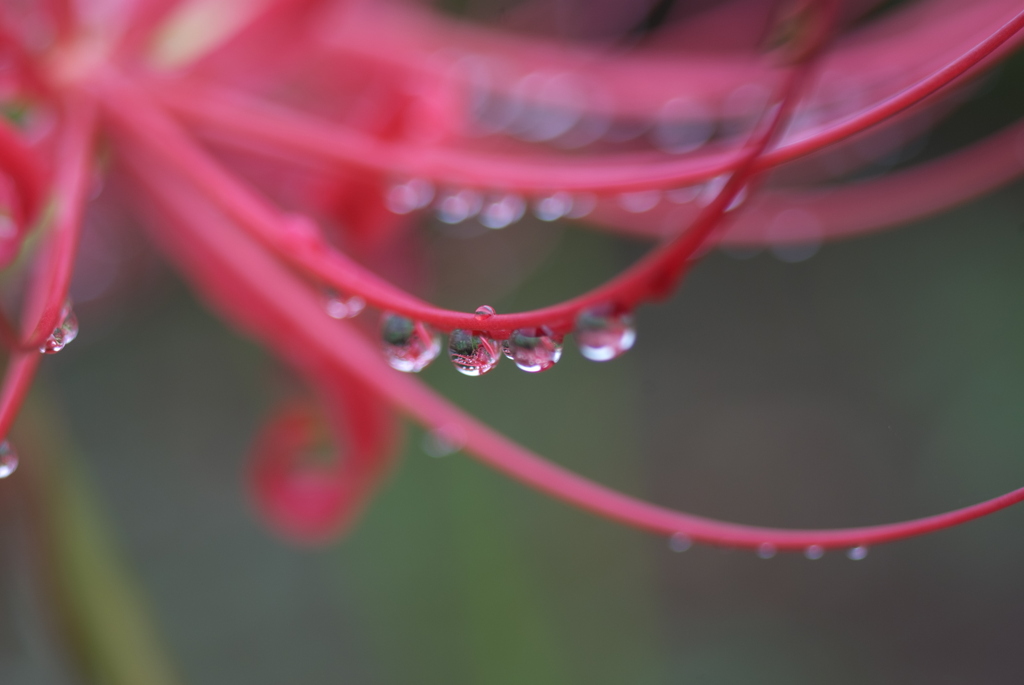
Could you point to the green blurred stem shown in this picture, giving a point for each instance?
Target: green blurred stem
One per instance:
(96, 600)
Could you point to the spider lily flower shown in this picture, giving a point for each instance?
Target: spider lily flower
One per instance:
(279, 149)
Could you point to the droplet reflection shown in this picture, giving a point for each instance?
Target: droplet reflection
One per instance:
(680, 542)
(8, 459)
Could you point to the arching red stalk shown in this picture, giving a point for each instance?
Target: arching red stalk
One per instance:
(47, 291)
(289, 313)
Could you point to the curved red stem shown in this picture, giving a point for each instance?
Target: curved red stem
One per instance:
(220, 256)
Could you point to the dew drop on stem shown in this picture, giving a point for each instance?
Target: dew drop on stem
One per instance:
(640, 201)
(456, 207)
(582, 205)
(502, 211)
(814, 552)
(472, 354)
(680, 542)
(338, 306)
(8, 459)
(408, 345)
(533, 349)
(603, 334)
(403, 198)
(857, 553)
(64, 333)
(553, 207)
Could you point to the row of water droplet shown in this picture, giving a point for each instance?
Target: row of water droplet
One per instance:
(500, 209)
(493, 210)
(601, 334)
(680, 542)
(794, 234)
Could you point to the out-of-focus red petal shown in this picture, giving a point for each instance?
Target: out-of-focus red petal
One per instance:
(309, 501)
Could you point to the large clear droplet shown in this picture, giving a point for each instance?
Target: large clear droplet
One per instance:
(471, 353)
(501, 212)
(456, 207)
(553, 207)
(409, 196)
(814, 552)
(409, 345)
(640, 201)
(711, 189)
(533, 349)
(8, 459)
(738, 200)
(766, 550)
(65, 332)
(682, 125)
(582, 205)
(483, 312)
(682, 196)
(338, 306)
(601, 334)
(857, 553)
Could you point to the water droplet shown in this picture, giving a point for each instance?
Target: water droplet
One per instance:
(602, 334)
(484, 312)
(582, 205)
(8, 459)
(444, 441)
(857, 553)
(409, 196)
(738, 199)
(553, 105)
(471, 353)
(456, 207)
(65, 332)
(683, 126)
(553, 207)
(338, 306)
(814, 552)
(680, 542)
(711, 189)
(533, 349)
(797, 235)
(682, 196)
(503, 211)
(766, 550)
(742, 108)
(408, 345)
(641, 201)
(626, 130)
